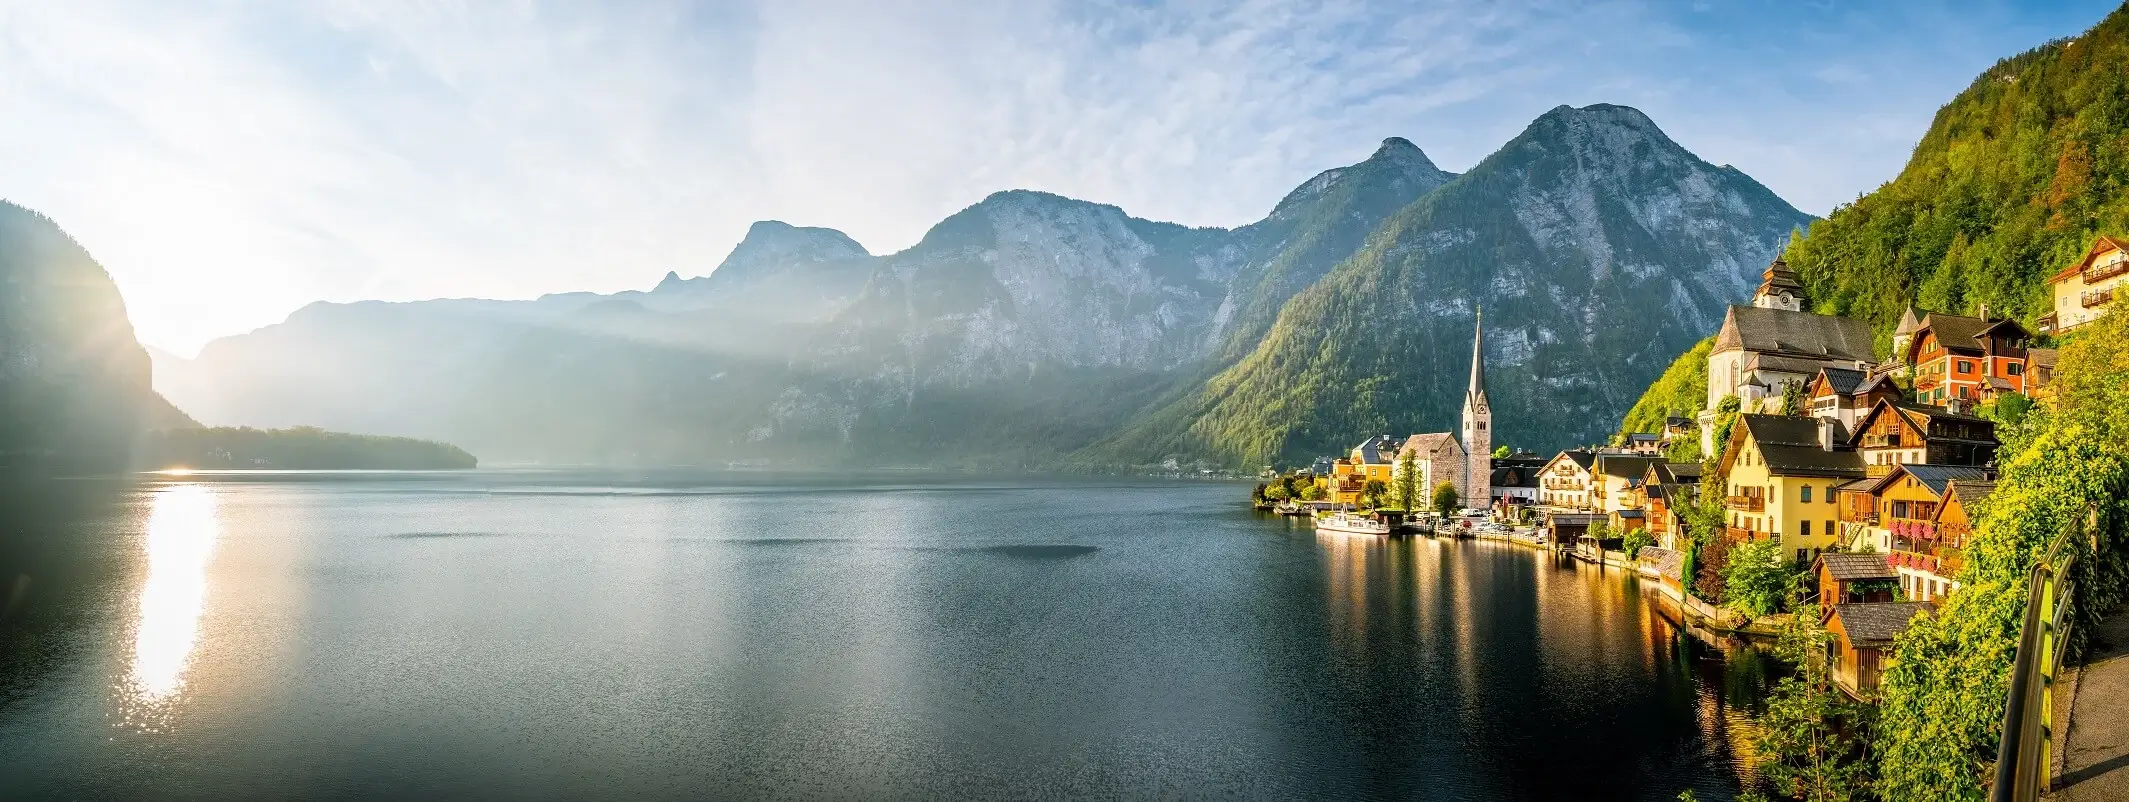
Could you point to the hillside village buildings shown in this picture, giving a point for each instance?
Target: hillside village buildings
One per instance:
(2082, 291)
(1773, 342)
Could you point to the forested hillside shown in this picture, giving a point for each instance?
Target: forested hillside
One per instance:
(1682, 391)
(2014, 179)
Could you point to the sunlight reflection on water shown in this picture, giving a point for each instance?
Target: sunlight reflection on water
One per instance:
(181, 531)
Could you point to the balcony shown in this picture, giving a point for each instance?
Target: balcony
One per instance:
(2092, 298)
(1883, 440)
(2046, 324)
(1877, 471)
(2098, 273)
(1746, 503)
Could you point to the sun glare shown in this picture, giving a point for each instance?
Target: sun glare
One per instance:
(181, 532)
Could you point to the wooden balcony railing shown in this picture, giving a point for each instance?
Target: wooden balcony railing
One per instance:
(2098, 273)
(1746, 503)
(2092, 298)
(1877, 471)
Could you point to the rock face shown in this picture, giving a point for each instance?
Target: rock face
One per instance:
(74, 384)
(1028, 327)
(1598, 247)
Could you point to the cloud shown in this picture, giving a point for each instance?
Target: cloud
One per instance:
(231, 164)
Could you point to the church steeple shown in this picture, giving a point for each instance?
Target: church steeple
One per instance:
(1475, 395)
(1478, 425)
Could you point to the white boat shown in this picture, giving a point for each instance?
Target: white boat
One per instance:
(1347, 523)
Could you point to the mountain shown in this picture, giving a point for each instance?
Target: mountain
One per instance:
(1029, 329)
(74, 383)
(1598, 248)
(2014, 179)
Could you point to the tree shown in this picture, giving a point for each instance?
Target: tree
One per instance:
(1636, 540)
(1598, 531)
(1756, 579)
(1371, 494)
(1445, 498)
(2010, 409)
(1312, 492)
(1405, 487)
(1792, 398)
(1682, 449)
(1277, 492)
(1815, 740)
(1257, 495)
(1502, 452)
(1725, 417)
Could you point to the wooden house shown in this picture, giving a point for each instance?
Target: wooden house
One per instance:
(1862, 640)
(1848, 578)
(1958, 359)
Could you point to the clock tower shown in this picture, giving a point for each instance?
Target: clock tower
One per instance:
(1478, 425)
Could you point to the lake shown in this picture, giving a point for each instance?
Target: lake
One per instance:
(736, 635)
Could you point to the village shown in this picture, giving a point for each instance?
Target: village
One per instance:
(1855, 475)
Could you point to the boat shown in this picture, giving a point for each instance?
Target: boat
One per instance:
(1347, 523)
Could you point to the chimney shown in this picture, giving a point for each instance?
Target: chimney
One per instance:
(1825, 434)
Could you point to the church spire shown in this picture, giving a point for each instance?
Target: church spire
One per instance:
(1475, 396)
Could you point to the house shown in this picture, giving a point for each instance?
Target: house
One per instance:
(1862, 636)
(1515, 481)
(1782, 473)
(1564, 484)
(1844, 394)
(1439, 458)
(1845, 578)
(2082, 291)
(1965, 360)
(1772, 342)
(1613, 479)
(1899, 433)
(2040, 373)
(1371, 461)
(1645, 444)
(1907, 502)
(1945, 539)
(1667, 487)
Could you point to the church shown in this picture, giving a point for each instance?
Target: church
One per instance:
(1466, 461)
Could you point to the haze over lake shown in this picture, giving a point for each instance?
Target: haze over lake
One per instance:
(673, 635)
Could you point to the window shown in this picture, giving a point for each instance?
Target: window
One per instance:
(1807, 529)
(1829, 528)
(2014, 369)
(1965, 366)
(1806, 491)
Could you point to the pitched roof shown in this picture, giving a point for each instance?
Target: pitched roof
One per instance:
(2042, 357)
(1424, 444)
(1781, 331)
(1955, 331)
(1909, 322)
(1842, 380)
(1631, 466)
(1877, 622)
(1967, 492)
(2102, 245)
(1667, 563)
(1779, 276)
(1778, 363)
(1642, 437)
(1514, 476)
(1371, 449)
(1788, 430)
(1933, 477)
(1851, 567)
(1582, 458)
(1811, 461)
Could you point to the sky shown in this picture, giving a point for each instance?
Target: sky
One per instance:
(229, 162)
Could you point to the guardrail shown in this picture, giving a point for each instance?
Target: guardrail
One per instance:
(2024, 755)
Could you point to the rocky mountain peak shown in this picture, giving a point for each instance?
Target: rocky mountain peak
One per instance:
(1397, 161)
(772, 245)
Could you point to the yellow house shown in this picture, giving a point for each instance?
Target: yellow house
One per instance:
(1373, 460)
(1782, 471)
